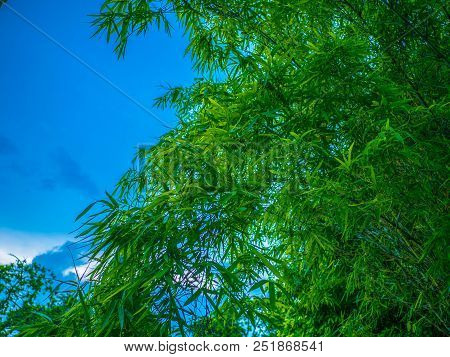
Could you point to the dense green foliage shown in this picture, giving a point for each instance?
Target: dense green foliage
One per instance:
(28, 294)
(304, 191)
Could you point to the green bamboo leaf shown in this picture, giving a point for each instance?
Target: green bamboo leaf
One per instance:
(193, 297)
(85, 211)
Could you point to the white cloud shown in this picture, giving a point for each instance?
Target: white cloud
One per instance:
(27, 245)
(84, 271)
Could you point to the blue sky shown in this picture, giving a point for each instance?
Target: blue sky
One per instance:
(66, 135)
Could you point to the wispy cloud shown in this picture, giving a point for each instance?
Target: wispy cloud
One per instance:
(70, 174)
(27, 245)
(84, 271)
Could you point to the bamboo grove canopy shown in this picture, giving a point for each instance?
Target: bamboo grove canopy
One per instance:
(304, 190)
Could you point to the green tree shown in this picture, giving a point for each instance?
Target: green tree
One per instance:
(28, 296)
(305, 185)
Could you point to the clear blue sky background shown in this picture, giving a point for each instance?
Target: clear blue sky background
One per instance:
(66, 135)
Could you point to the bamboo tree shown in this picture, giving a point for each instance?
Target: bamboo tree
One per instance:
(304, 191)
